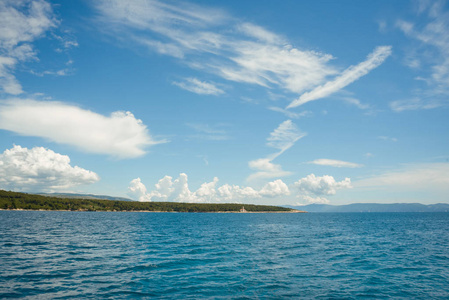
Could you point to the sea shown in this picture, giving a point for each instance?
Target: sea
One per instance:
(127, 255)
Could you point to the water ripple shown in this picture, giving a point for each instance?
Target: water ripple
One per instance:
(62, 255)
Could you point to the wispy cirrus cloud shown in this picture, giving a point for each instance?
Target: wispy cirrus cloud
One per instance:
(415, 104)
(247, 54)
(199, 87)
(208, 132)
(428, 56)
(282, 138)
(335, 163)
(348, 76)
(387, 138)
(120, 135)
(356, 102)
(21, 23)
(290, 114)
(413, 177)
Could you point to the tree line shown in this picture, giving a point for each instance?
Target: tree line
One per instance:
(15, 200)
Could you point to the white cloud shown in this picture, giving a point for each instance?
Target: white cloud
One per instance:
(290, 114)
(335, 163)
(321, 185)
(21, 22)
(235, 193)
(266, 169)
(430, 56)
(208, 132)
(158, 16)
(138, 191)
(313, 200)
(199, 87)
(120, 135)
(260, 33)
(347, 77)
(419, 177)
(40, 169)
(356, 102)
(387, 138)
(275, 189)
(178, 190)
(282, 138)
(312, 189)
(248, 54)
(210, 40)
(414, 104)
(280, 65)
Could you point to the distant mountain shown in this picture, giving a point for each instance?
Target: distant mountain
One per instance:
(84, 196)
(375, 207)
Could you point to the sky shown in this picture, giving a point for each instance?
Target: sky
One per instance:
(265, 102)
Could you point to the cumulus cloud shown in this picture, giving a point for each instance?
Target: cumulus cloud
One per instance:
(178, 190)
(120, 135)
(335, 163)
(313, 200)
(321, 185)
(138, 191)
(199, 87)
(21, 22)
(313, 189)
(347, 77)
(274, 189)
(40, 169)
(310, 189)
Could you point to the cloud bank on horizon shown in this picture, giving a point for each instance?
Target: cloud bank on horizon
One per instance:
(216, 85)
(310, 189)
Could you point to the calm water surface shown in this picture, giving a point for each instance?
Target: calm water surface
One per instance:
(241, 256)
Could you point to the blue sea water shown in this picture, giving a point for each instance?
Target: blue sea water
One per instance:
(127, 255)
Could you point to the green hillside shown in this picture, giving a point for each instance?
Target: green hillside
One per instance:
(14, 200)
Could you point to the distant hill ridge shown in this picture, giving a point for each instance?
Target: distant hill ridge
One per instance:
(84, 196)
(375, 207)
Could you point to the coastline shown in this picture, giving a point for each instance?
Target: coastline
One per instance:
(157, 211)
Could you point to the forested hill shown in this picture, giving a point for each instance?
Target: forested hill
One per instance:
(14, 200)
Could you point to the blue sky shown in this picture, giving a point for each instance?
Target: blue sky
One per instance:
(290, 102)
